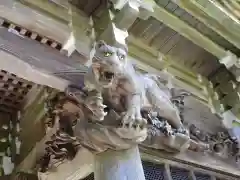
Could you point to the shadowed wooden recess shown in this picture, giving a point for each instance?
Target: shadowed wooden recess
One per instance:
(13, 90)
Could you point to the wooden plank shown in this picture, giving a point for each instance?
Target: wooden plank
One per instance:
(62, 13)
(38, 55)
(59, 12)
(220, 15)
(22, 69)
(167, 172)
(34, 20)
(190, 33)
(195, 9)
(153, 51)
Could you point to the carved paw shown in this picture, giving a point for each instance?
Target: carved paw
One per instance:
(135, 135)
(133, 126)
(133, 119)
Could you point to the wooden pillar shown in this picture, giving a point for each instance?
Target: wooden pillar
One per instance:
(213, 177)
(192, 175)
(167, 172)
(119, 165)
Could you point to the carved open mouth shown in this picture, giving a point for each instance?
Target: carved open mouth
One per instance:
(106, 76)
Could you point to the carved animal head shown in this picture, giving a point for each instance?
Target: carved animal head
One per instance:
(108, 61)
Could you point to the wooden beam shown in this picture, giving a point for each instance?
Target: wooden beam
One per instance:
(220, 15)
(168, 59)
(213, 177)
(187, 31)
(23, 70)
(33, 20)
(53, 9)
(193, 160)
(201, 13)
(68, 14)
(32, 117)
(192, 175)
(167, 172)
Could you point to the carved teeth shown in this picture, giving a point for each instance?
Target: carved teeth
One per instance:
(108, 75)
(104, 106)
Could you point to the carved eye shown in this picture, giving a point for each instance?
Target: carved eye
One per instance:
(107, 54)
(121, 57)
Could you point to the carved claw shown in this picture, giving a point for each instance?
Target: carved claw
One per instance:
(133, 119)
(130, 121)
(132, 126)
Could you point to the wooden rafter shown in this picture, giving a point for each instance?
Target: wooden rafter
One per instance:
(205, 16)
(190, 33)
(220, 15)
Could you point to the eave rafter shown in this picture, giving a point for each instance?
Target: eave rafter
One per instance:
(190, 33)
(214, 22)
(226, 57)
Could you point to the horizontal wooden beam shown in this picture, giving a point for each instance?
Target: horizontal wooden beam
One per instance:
(23, 70)
(151, 50)
(187, 31)
(193, 160)
(53, 9)
(220, 15)
(203, 15)
(33, 20)
(64, 14)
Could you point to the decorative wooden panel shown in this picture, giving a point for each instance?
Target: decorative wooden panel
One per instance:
(13, 90)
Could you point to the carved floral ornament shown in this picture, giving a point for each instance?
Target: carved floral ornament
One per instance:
(115, 109)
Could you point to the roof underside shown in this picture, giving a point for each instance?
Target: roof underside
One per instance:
(13, 91)
(169, 42)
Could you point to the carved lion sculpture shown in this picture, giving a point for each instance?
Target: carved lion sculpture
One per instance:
(139, 111)
(127, 93)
